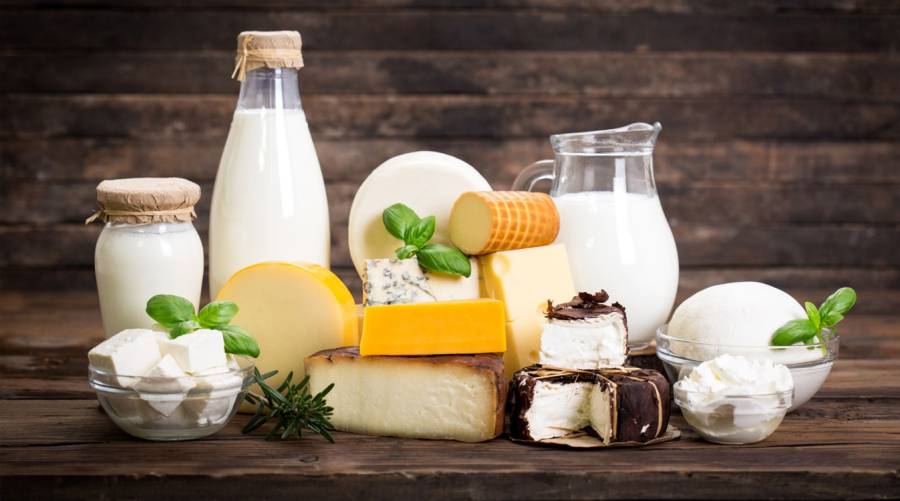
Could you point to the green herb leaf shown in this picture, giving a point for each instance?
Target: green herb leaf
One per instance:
(840, 302)
(291, 406)
(407, 251)
(793, 332)
(419, 233)
(169, 311)
(217, 314)
(398, 219)
(444, 259)
(238, 341)
(813, 313)
(184, 328)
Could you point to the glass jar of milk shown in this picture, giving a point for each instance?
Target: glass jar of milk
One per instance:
(269, 200)
(149, 246)
(611, 220)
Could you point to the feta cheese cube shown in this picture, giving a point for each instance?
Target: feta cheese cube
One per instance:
(217, 390)
(164, 386)
(197, 351)
(131, 352)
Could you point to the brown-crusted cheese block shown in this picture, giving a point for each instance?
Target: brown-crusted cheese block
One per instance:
(617, 405)
(450, 397)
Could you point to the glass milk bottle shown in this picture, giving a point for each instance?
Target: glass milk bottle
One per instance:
(269, 200)
(149, 246)
(611, 220)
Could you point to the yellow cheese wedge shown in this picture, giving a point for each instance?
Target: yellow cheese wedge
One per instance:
(293, 310)
(524, 280)
(441, 328)
(489, 221)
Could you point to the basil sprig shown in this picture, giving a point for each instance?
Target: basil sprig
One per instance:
(415, 232)
(177, 314)
(809, 330)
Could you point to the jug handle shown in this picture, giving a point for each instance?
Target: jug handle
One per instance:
(542, 170)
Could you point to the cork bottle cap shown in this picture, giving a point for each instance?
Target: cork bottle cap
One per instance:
(146, 200)
(269, 49)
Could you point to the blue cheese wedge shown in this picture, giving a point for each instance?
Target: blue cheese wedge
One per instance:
(395, 281)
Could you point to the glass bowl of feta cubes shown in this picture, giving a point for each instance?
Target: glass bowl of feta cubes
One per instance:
(157, 388)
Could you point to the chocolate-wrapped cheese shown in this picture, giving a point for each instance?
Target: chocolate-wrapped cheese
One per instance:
(622, 404)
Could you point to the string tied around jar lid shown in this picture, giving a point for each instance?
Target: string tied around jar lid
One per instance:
(146, 201)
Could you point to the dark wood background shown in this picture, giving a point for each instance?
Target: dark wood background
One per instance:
(779, 158)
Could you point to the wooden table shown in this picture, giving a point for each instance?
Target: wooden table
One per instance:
(55, 442)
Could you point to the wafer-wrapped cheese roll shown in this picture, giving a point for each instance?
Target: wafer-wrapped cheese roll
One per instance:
(490, 221)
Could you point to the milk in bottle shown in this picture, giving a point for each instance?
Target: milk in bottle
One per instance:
(269, 200)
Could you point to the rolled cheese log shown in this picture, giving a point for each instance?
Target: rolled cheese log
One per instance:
(482, 222)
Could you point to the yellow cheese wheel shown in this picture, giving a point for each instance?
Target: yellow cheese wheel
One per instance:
(293, 310)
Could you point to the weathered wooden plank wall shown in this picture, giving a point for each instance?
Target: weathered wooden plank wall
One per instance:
(779, 159)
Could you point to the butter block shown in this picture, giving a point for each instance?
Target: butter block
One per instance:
(292, 310)
(450, 397)
(440, 328)
(524, 280)
(131, 352)
(197, 351)
(167, 388)
(395, 281)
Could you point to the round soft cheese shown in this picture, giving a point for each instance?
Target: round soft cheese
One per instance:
(427, 181)
(737, 314)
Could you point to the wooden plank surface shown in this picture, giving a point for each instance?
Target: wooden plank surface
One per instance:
(844, 443)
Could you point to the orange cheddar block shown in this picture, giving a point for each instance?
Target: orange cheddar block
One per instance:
(439, 328)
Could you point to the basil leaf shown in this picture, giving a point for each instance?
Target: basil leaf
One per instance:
(169, 310)
(444, 259)
(813, 313)
(398, 219)
(793, 332)
(239, 342)
(184, 328)
(217, 314)
(832, 318)
(840, 302)
(407, 251)
(421, 232)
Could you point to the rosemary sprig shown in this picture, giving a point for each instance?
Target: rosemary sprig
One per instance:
(291, 406)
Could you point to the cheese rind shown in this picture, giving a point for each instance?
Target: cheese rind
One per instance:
(292, 310)
(489, 221)
(460, 397)
(524, 280)
(440, 328)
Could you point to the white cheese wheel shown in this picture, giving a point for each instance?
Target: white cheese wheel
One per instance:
(293, 311)
(427, 181)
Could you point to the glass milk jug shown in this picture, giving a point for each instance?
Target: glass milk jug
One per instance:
(269, 201)
(611, 220)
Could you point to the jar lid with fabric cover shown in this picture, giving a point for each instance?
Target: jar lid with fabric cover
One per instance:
(146, 200)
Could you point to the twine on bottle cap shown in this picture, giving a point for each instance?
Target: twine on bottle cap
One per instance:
(146, 201)
(270, 49)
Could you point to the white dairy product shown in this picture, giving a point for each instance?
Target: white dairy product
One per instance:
(197, 351)
(135, 262)
(426, 181)
(734, 399)
(592, 343)
(622, 243)
(395, 281)
(220, 388)
(732, 315)
(559, 409)
(269, 201)
(131, 352)
(164, 386)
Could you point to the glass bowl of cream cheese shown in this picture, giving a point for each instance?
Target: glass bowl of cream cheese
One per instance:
(735, 400)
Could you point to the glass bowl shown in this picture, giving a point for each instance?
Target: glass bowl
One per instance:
(809, 364)
(733, 419)
(172, 408)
